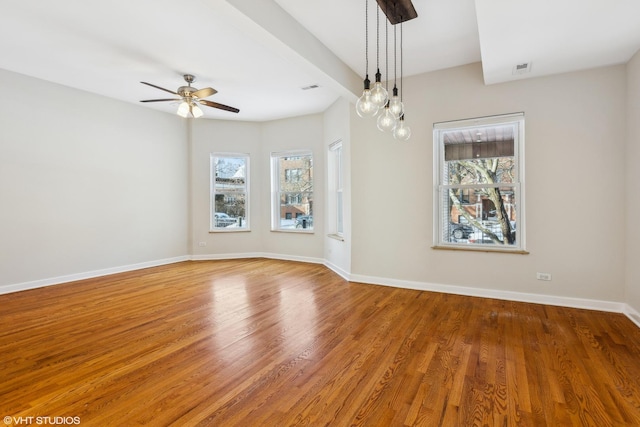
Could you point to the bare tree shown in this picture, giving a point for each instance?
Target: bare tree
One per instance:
(230, 177)
(484, 171)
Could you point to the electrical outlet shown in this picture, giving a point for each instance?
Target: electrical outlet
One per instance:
(543, 276)
(201, 244)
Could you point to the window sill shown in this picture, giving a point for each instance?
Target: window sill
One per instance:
(294, 231)
(230, 230)
(336, 237)
(482, 249)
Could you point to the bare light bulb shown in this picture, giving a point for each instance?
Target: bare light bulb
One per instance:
(402, 132)
(395, 104)
(365, 107)
(379, 94)
(386, 120)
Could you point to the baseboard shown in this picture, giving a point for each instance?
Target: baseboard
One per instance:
(616, 307)
(212, 257)
(217, 257)
(87, 275)
(310, 260)
(6, 289)
(609, 306)
(342, 273)
(632, 314)
(268, 255)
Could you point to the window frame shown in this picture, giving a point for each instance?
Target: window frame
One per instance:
(277, 193)
(336, 189)
(518, 184)
(212, 191)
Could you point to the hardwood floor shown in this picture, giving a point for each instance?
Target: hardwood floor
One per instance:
(275, 343)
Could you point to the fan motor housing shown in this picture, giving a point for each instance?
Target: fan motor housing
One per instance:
(186, 90)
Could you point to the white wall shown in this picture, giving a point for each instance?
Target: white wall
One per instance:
(258, 140)
(575, 200)
(86, 183)
(304, 132)
(632, 229)
(337, 253)
(210, 136)
(98, 184)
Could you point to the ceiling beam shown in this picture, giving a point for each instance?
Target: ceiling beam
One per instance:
(398, 11)
(266, 21)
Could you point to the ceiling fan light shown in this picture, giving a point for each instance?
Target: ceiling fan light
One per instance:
(183, 109)
(196, 111)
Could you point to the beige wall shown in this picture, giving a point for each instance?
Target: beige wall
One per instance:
(210, 136)
(258, 140)
(86, 183)
(337, 253)
(305, 132)
(575, 144)
(98, 184)
(632, 228)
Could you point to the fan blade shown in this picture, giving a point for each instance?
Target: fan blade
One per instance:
(204, 92)
(219, 106)
(158, 87)
(161, 100)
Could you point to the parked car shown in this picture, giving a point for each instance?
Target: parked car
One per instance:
(304, 221)
(223, 220)
(461, 231)
(480, 238)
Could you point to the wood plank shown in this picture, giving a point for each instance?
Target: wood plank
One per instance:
(269, 342)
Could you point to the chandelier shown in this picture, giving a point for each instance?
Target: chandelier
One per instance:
(376, 102)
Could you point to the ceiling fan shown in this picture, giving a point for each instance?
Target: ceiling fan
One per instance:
(191, 97)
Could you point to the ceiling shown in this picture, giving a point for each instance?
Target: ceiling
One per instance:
(259, 55)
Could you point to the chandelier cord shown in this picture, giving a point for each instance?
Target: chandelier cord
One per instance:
(401, 63)
(386, 53)
(366, 36)
(378, 37)
(395, 57)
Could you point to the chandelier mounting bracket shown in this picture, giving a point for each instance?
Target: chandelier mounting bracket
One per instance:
(398, 11)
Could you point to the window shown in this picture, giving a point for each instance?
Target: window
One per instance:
(478, 167)
(292, 190)
(293, 175)
(229, 192)
(336, 223)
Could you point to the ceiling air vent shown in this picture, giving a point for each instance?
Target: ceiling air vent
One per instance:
(522, 68)
(310, 87)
